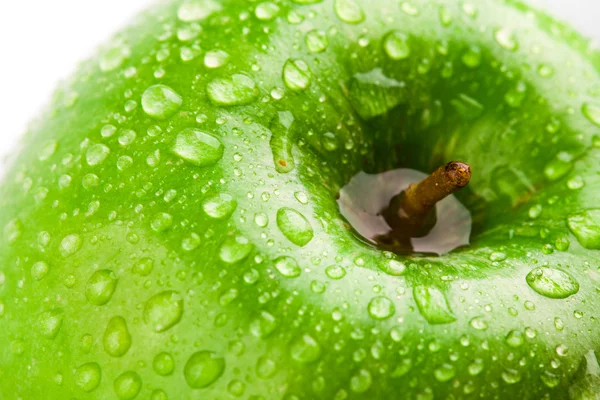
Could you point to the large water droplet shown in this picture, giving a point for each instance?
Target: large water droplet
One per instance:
(349, 11)
(305, 349)
(161, 102)
(559, 166)
(296, 75)
(163, 364)
(116, 339)
(380, 307)
(163, 310)
(70, 245)
(361, 381)
(316, 41)
(433, 305)
(219, 206)
(479, 323)
(39, 270)
(87, 376)
(96, 154)
(288, 267)
(552, 283)
(50, 323)
(127, 385)
(234, 91)
(199, 148)
(235, 248)
(514, 339)
(281, 141)
(263, 325)
(586, 228)
(266, 11)
(294, 226)
(100, 287)
(396, 45)
(216, 59)
(203, 368)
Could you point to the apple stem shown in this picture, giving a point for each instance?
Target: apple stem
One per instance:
(409, 213)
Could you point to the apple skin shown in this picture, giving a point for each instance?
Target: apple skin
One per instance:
(183, 241)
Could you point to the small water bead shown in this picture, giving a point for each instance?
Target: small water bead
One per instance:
(237, 90)
(90, 181)
(545, 71)
(13, 230)
(197, 10)
(163, 364)
(301, 197)
(116, 339)
(576, 183)
(535, 211)
(234, 249)
(266, 11)
(396, 45)
(143, 266)
(282, 128)
(506, 39)
(219, 206)
(159, 394)
(39, 270)
(261, 219)
(514, 338)
(216, 59)
(472, 57)
(552, 283)
(236, 388)
(197, 147)
(288, 267)
(124, 162)
(467, 107)
(263, 325)
(305, 349)
(48, 149)
(96, 154)
(476, 367)
(433, 305)
(70, 245)
(163, 310)
(316, 41)
(361, 381)
(478, 323)
(296, 75)
(113, 58)
(265, 367)
(294, 226)
(127, 385)
(559, 166)
(161, 102)
(203, 368)
(349, 11)
(592, 112)
(188, 33)
(329, 141)
(127, 137)
(393, 267)
(562, 244)
(585, 226)
(161, 222)
(88, 376)
(515, 96)
(380, 307)
(335, 272)
(100, 287)
(551, 380)
(50, 322)
(444, 372)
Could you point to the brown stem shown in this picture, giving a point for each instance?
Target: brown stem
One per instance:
(409, 214)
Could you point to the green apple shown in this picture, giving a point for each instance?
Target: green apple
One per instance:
(171, 229)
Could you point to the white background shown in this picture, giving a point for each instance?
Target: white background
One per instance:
(41, 42)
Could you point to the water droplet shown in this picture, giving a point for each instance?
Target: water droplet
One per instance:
(296, 75)
(161, 222)
(163, 310)
(266, 11)
(551, 380)
(361, 382)
(159, 394)
(476, 367)
(127, 385)
(143, 266)
(90, 181)
(197, 147)
(592, 112)
(161, 102)
(263, 325)
(116, 339)
(39, 270)
(576, 183)
(281, 141)
(393, 267)
(349, 11)
(559, 166)
(562, 244)
(433, 305)
(163, 364)
(472, 57)
(301, 197)
(294, 226)
(305, 349)
(380, 307)
(50, 323)
(197, 10)
(216, 59)
(515, 96)
(235, 248)
(444, 372)
(13, 230)
(261, 219)
(234, 91)
(511, 376)
(506, 39)
(396, 45)
(545, 71)
(316, 41)
(203, 368)
(219, 206)
(265, 368)
(100, 287)
(288, 267)
(335, 272)
(47, 150)
(113, 58)
(467, 107)
(514, 339)
(70, 245)
(552, 283)
(478, 323)
(585, 226)
(88, 376)
(96, 154)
